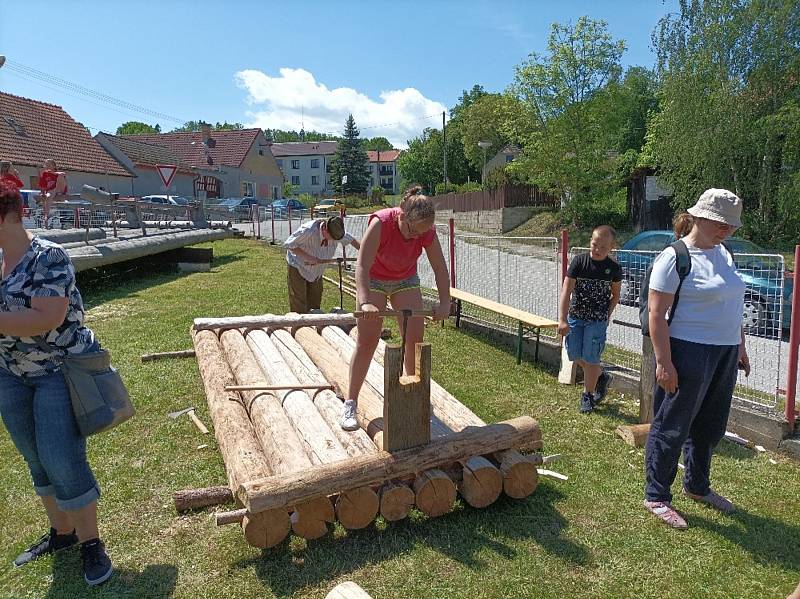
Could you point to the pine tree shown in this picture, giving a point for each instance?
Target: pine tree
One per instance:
(351, 161)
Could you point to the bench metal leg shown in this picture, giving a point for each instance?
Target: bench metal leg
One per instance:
(536, 355)
(458, 313)
(519, 343)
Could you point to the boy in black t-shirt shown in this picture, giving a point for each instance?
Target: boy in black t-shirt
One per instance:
(588, 297)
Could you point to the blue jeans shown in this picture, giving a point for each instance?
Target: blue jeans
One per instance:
(586, 339)
(38, 415)
(692, 419)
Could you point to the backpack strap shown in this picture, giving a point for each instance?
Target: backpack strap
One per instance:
(683, 266)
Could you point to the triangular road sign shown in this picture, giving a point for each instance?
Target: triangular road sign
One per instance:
(166, 172)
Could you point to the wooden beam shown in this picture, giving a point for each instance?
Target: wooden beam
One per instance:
(271, 321)
(184, 353)
(406, 400)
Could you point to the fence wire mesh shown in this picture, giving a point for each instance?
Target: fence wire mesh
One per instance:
(765, 316)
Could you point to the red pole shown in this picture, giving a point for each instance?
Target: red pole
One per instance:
(564, 253)
(794, 344)
(452, 226)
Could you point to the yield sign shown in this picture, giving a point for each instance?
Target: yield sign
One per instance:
(166, 172)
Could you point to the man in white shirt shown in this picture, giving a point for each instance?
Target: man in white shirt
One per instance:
(308, 250)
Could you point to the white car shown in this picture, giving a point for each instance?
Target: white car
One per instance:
(166, 200)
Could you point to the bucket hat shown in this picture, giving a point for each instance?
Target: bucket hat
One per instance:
(719, 205)
(335, 226)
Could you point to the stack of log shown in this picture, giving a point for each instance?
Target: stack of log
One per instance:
(291, 466)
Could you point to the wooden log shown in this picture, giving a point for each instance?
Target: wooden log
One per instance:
(360, 471)
(634, 434)
(434, 492)
(397, 499)
(348, 590)
(192, 499)
(283, 450)
(240, 449)
(370, 402)
(407, 400)
(271, 321)
(232, 517)
(184, 353)
(354, 508)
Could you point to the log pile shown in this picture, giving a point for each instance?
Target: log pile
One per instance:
(291, 466)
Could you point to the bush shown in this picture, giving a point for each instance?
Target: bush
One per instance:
(455, 188)
(377, 195)
(590, 212)
(307, 200)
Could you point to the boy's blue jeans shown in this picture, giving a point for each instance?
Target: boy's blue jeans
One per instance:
(37, 412)
(692, 419)
(586, 339)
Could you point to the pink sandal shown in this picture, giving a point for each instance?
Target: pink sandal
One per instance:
(713, 499)
(666, 513)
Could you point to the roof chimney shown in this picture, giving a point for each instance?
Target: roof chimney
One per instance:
(205, 131)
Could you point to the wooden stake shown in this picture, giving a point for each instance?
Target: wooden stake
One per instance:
(634, 434)
(184, 353)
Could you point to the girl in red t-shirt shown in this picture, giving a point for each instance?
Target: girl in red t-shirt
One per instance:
(9, 175)
(387, 270)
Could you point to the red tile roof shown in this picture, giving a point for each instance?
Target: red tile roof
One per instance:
(227, 147)
(33, 131)
(304, 148)
(386, 155)
(145, 154)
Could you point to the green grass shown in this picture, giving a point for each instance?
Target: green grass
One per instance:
(588, 536)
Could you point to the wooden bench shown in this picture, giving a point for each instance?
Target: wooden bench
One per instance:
(527, 322)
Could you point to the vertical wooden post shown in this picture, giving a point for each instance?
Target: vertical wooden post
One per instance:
(647, 380)
(407, 400)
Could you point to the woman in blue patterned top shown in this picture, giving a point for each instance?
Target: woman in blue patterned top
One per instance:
(38, 299)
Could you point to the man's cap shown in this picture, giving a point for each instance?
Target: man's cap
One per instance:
(335, 226)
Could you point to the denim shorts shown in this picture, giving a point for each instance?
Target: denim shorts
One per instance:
(37, 412)
(586, 339)
(389, 288)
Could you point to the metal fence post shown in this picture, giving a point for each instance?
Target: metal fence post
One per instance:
(272, 215)
(452, 243)
(289, 217)
(794, 344)
(564, 253)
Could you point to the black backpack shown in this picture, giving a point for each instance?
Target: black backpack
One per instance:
(683, 266)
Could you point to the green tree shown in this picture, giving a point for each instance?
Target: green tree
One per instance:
(377, 143)
(350, 161)
(729, 103)
(418, 164)
(193, 126)
(497, 118)
(281, 136)
(226, 126)
(137, 128)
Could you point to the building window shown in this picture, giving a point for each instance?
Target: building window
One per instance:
(315, 163)
(295, 164)
(280, 163)
(248, 189)
(329, 168)
(314, 180)
(295, 180)
(275, 192)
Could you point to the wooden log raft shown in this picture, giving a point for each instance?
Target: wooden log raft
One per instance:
(279, 491)
(241, 451)
(481, 481)
(282, 448)
(355, 508)
(520, 477)
(370, 411)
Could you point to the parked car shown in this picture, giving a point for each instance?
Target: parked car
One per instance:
(241, 206)
(281, 207)
(166, 200)
(761, 274)
(326, 206)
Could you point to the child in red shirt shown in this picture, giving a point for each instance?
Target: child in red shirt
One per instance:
(387, 270)
(9, 175)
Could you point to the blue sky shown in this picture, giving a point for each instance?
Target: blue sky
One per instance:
(269, 64)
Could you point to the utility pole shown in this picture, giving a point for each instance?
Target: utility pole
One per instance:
(444, 150)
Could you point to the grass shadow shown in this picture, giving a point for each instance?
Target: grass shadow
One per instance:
(156, 581)
(461, 535)
(506, 348)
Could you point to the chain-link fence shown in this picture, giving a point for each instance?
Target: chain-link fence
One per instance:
(765, 316)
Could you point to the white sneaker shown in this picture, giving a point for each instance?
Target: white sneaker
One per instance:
(349, 422)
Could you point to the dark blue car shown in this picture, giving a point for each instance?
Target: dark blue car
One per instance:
(281, 207)
(762, 273)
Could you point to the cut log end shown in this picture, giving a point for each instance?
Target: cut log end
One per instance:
(635, 434)
(348, 590)
(520, 476)
(310, 519)
(481, 483)
(357, 508)
(266, 529)
(434, 493)
(397, 499)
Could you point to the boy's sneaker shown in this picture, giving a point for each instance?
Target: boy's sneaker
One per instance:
(349, 422)
(49, 543)
(601, 390)
(96, 564)
(587, 402)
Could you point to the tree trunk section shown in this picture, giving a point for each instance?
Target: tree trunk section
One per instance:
(348, 590)
(397, 499)
(635, 434)
(244, 460)
(192, 499)
(434, 492)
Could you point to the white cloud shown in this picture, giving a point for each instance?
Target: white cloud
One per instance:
(281, 102)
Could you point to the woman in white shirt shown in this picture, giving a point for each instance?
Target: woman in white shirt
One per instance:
(697, 355)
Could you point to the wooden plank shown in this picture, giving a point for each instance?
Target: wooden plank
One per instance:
(514, 313)
(327, 479)
(406, 400)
